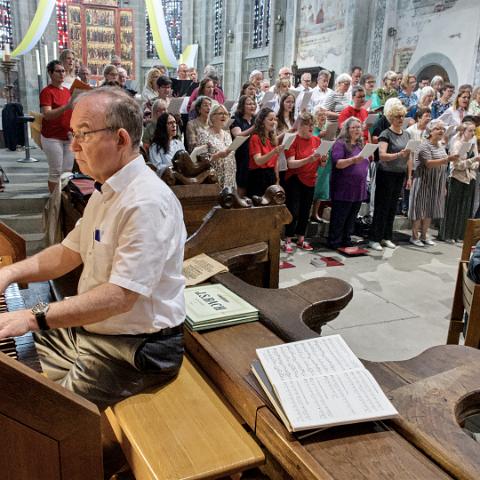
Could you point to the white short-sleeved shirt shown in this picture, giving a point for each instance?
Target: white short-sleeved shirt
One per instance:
(132, 235)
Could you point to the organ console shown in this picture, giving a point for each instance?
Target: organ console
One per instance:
(47, 431)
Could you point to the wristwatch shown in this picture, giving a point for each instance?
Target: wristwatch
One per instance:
(40, 311)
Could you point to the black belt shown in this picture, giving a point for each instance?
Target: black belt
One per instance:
(165, 332)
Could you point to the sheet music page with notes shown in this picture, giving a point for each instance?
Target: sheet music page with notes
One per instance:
(321, 383)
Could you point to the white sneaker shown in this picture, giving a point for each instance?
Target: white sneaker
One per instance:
(375, 246)
(388, 244)
(451, 241)
(428, 242)
(416, 242)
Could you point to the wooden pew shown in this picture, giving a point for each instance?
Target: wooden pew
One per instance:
(466, 298)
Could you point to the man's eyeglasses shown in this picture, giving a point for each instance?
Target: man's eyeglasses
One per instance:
(59, 71)
(80, 136)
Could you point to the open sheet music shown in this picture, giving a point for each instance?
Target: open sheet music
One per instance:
(319, 383)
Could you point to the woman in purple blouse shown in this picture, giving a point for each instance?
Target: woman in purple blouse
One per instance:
(348, 183)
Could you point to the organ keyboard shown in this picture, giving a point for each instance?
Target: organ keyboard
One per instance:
(20, 348)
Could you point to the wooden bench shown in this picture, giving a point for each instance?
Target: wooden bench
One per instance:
(467, 294)
(182, 431)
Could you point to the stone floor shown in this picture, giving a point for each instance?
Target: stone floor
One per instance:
(401, 298)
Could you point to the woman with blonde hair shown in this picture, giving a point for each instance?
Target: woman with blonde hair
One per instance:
(67, 58)
(390, 177)
(149, 92)
(474, 107)
(461, 185)
(427, 198)
(218, 139)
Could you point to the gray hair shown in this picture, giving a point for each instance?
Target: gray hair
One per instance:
(431, 125)
(357, 88)
(388, 75)
(157, 104)
(345, 132)
(121, 111)
(426, 91)
(436, 79)
(213, 110)
(324, 73)
(254, 73)
(343, 77)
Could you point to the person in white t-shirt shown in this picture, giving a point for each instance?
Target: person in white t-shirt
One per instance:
(123, 331)
(320, 92)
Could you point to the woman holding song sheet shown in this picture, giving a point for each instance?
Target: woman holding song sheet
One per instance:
(348, 186)
(427, 198)
(303, 161)
(390, 176)
(263, 153)
(461, 184)
(218, 140)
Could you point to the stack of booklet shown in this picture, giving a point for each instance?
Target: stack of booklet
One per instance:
(319, 383)
(213, 306)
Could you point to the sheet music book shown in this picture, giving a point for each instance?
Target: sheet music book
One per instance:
(331, 131)
(325, 147)
(464, 149)
(213, 305)
(288, 139)
(406, 122)
(451, 129)
(201, 149)
(368, 150)
(175, 105)
(367, 104)
(236, 143)
(412, 145)
(228, 104)
(200, 268)
(305, 100)
(267, 97)
(319, 383)
(78, 87)
(293, 92)
(372, 118)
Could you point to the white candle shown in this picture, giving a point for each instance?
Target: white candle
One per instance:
(37, 59)
(6, 52)
(55, 50)
(46, 54)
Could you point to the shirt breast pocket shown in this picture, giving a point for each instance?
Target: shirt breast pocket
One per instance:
(102, 257)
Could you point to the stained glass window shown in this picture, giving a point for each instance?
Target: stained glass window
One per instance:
(172, 10)
(5, 24)
(62, 24)
(261, 23)
(217, 27)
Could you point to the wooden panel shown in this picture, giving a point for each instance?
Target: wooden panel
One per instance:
(471, 237)
(429, 418)
(11, 243)
(31, 399)
(25, 453)
(182, 431)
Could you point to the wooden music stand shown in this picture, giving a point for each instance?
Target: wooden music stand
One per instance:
(47, 431)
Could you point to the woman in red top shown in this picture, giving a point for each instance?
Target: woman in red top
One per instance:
(263, 153)
(300, 180)
(56, 106)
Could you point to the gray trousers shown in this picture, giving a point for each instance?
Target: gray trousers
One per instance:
(108, 368)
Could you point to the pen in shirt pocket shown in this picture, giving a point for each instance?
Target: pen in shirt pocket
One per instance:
(97, 235)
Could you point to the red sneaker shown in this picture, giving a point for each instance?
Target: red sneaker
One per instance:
(305, 246)
(287, 247)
